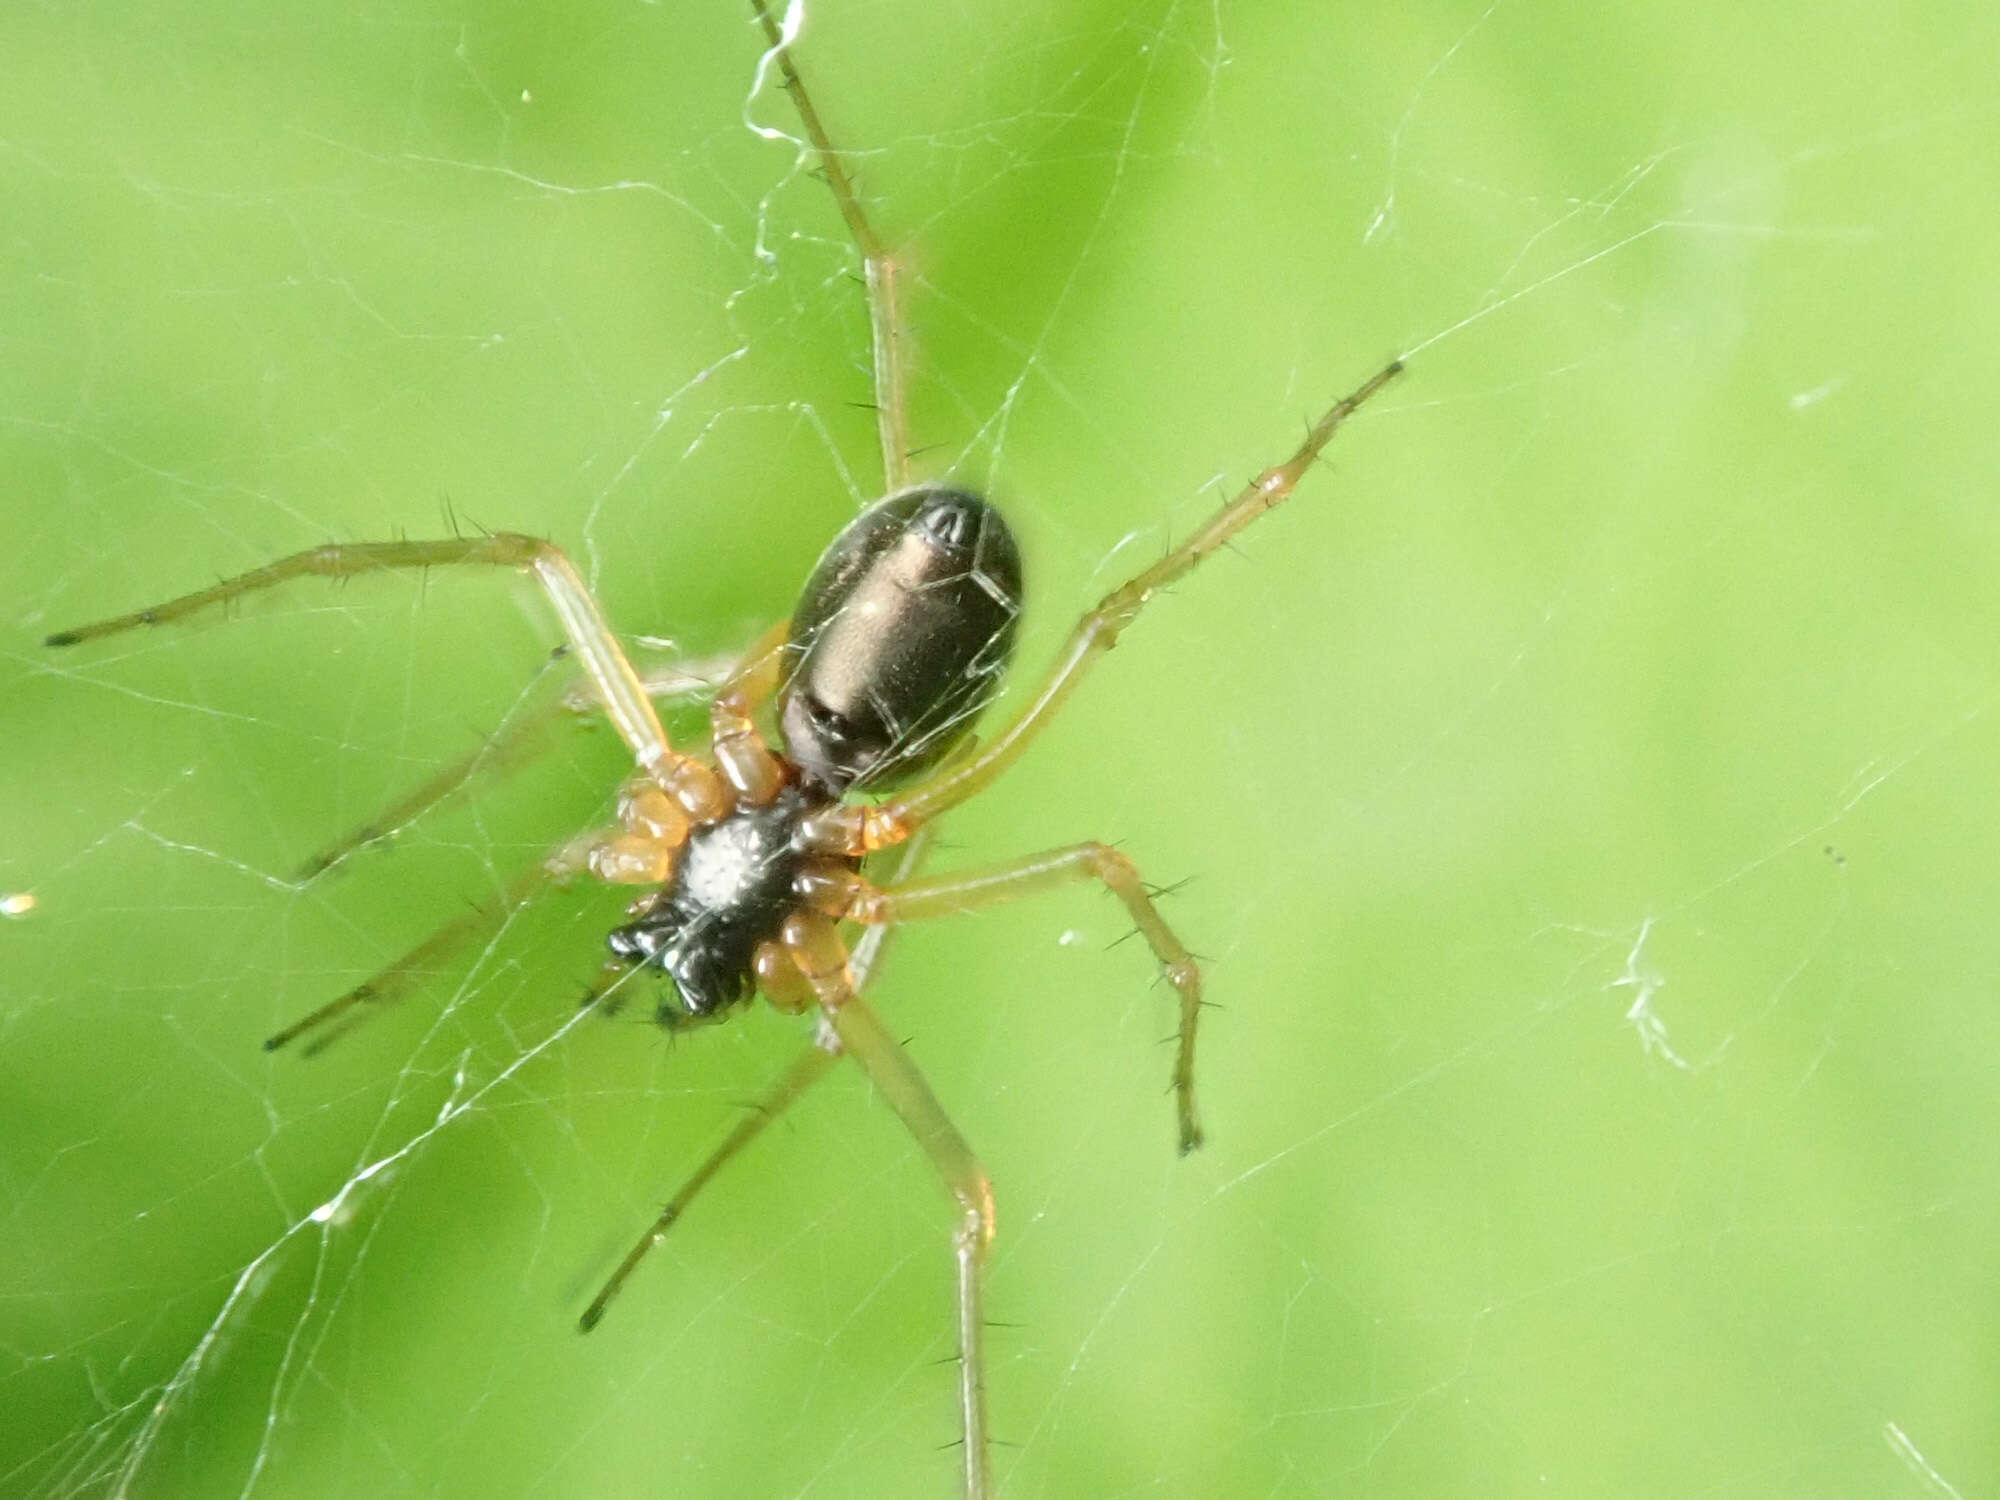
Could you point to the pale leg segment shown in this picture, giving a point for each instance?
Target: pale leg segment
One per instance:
(889, 1067)
(691, 783)
(879, 267)
(816, 948)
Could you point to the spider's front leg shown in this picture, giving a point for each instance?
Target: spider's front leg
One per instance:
(786, 988)
(856, 829)
(809, 1067)
(840, 893)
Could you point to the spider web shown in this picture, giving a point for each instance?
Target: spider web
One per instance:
(1582, 786)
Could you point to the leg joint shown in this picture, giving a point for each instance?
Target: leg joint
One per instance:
(976, 1229)
(1111, 866)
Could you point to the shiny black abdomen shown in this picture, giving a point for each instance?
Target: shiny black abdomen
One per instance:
(731, 891)
(900, 638)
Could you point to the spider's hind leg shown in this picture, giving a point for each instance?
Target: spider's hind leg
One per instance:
(811, 1066)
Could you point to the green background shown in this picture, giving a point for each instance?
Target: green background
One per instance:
(1584, 789)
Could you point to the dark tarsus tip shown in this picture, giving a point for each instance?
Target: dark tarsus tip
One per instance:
(63, 638)
(589, 1320)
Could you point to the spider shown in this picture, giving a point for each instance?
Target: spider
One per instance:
(751, 860)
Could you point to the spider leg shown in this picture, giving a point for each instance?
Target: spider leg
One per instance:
(693, 784)
(639, 851)
(811, 1066)
(741, 755)
(839, 892)
(518, 742)
(881, 270)
(860, 829)
(398, 976)
(816, 948)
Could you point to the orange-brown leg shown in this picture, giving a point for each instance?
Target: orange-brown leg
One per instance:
(653, 830)
(864, 829)
(839, 892)
(745, 761)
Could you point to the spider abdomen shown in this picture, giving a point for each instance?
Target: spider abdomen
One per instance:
(901, 636)
(731, 890)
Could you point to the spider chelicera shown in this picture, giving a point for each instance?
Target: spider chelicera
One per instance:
(752, 859)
